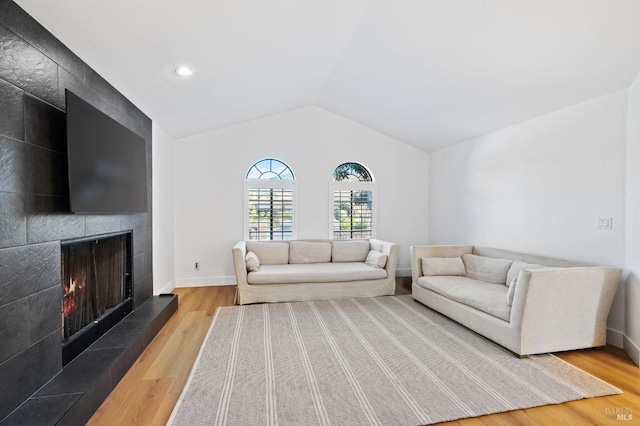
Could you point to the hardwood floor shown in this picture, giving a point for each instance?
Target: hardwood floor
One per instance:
(149, 391)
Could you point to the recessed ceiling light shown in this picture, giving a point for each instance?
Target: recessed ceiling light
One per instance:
(184, 71)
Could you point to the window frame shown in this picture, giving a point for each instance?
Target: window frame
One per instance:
(278, 184)
(347, 185)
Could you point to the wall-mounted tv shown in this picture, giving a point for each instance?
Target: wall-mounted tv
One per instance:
(107, 162)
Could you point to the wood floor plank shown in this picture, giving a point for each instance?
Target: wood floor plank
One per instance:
(183, 343)
(150, 390)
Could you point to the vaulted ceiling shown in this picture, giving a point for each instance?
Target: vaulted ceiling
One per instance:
(430, 73)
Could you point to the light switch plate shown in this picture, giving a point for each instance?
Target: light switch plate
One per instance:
(605, 223)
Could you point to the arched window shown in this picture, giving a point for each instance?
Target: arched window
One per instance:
(352, 202)
(269, 201)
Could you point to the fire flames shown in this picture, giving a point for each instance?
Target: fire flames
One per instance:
(68, 300)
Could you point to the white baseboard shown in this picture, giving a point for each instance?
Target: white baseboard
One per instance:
(205, 282)
(621, 340)
(632, 350)
(168, 288)
(615, 337)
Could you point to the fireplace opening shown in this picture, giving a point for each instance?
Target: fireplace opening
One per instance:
(97, 289)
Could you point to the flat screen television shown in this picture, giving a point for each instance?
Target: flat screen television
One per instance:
(107, 162)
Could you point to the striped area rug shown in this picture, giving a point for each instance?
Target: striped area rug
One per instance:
(378, 361)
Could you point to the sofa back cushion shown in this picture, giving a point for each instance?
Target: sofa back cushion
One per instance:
(349, 251)
(440, 266)
(518, 266)
(270, 253)
(488, 269)
(309, 252)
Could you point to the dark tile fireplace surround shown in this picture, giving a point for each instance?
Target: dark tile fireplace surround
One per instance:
(35, 69)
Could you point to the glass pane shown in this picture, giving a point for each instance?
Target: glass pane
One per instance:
(270, 169)
(352, 214)
(93, 281)
(353, 172)
(254, 173)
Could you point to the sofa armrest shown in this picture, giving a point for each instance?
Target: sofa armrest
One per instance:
(563, 307)
(391, 250)
(239, 252)
(418, 252)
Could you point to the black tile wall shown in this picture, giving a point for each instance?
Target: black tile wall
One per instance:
(12, 165)
(132, 221)
(44, 316)
(45, 125)
(11, 111)
(48, 218)
(27, 270)
(37, 36)
(138, 243)
(43, 172)
(142, 290)
(138, 266)
(35, 70)
(13, 218)
(103, 224)
(14, 330)
(26, 67)
(103, 88)
(28, 371)
(66, 80)
(12, 16)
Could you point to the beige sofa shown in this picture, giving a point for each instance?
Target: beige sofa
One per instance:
(528, 304)
(303, 270)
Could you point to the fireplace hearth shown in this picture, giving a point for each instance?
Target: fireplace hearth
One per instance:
(97, 289)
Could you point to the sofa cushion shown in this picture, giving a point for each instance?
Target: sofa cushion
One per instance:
(270, 253)
(436, 266)
(375, 259)
(481, 295)
(489, 269)
(252, 261)
(309, 252)
(518, 266)
(315, 273)
(349, 251)
(512, 291)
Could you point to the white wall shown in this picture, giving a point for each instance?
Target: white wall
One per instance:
(163, 212)
(632, 299)
(211, 167)
(539, 187)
